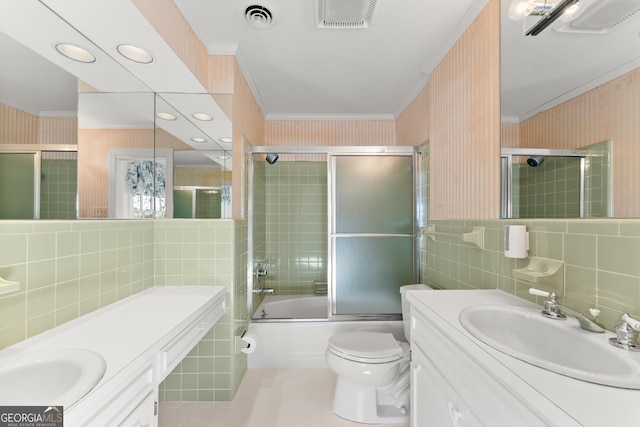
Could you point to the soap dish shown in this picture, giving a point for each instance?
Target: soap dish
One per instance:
(7, 286)
(541, 270)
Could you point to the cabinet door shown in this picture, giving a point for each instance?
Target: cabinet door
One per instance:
(144, 415)
(433, 401)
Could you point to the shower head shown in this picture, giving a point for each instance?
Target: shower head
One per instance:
(535, 161)
(272, 158)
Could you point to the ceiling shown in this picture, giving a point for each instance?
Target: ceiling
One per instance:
(295, 69)
(540, 72)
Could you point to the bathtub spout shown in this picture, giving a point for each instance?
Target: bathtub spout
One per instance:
(264, 291)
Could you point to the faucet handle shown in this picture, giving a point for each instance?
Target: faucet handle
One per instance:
(635, 324)
(541, 293)
(550, 306)
(626, 334)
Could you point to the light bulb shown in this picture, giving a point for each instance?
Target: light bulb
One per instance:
(519, 9)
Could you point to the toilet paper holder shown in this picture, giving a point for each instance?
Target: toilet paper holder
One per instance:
(245, 343)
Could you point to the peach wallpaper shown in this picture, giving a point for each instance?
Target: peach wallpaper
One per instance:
(330, 132)
(609, 111)
(464, 117)
(93, 152)
(248, 128)
(412, 126)
(165, 16)
(19, 127)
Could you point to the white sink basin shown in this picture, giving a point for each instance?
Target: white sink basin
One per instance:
(559, 346)
(46, 377)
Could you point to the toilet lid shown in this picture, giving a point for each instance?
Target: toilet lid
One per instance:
(363, 346)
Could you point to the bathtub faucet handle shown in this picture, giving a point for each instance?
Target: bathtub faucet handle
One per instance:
(264, 291)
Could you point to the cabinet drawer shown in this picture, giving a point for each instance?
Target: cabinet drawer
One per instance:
(490, 401)
(177, 349)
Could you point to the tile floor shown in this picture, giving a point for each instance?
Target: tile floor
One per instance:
(266, 398)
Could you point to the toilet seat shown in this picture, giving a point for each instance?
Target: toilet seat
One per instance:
(366, 347)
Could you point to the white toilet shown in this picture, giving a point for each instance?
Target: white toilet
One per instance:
(373, 372)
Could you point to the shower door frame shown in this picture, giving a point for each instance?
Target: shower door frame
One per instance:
(506, 174)
(329, 152)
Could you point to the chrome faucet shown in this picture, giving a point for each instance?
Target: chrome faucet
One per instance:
(626, 334)
(263, 291)
(556, 311)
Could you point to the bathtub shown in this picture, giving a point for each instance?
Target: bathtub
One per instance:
(292, 307)
(302, 344)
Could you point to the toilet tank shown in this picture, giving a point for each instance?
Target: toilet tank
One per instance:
(405, 306)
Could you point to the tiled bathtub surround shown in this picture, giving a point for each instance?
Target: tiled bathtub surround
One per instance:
(290, 224)
(600, 256)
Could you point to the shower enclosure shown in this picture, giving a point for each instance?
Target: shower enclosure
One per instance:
(335, 224)
(554, 183)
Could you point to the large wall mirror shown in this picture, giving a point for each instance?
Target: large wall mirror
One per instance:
(121, 151)
(574, 87)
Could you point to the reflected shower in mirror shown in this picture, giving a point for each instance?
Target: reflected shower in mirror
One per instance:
(543, 183)
(575, 84)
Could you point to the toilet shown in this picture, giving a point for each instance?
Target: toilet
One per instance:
(372, 371)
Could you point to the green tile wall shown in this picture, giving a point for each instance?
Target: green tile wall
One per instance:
(600, 259)
(70, 268)
(295, 226)
(205, 252)
(58, 188)
(67, 269)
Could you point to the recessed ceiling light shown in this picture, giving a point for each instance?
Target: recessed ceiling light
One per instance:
(225, 139)
(165, 116)
(202, 116)
(76, 53)
(224, 157)
(135, 53)
(198, 139)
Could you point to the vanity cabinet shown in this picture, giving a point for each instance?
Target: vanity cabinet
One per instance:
(142, 338)
(131, 403)
(456, 390)
(458, 380)
(436, 403)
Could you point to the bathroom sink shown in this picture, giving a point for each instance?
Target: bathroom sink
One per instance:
(558, 346)
(58, 377)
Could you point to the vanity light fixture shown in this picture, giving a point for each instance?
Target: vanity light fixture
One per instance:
(202, 117)
(549, 11)
(551, 17)
(166, 116)
(225, 139)
(76, 53)
(135, 54)
(198, 139)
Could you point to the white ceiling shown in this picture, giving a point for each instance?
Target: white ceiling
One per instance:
(295, 69)
(543, 71)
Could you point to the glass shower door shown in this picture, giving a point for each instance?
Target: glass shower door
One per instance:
(372, 233)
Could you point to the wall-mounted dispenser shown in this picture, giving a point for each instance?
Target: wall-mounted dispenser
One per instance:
(516, 241)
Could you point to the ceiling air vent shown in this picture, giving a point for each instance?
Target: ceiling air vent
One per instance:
(341, 14)
(601, 17)
(258, 16)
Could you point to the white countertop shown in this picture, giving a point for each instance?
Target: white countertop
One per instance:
(587, 403)
(127, 331)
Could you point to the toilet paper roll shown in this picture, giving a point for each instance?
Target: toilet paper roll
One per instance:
(251, 339)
